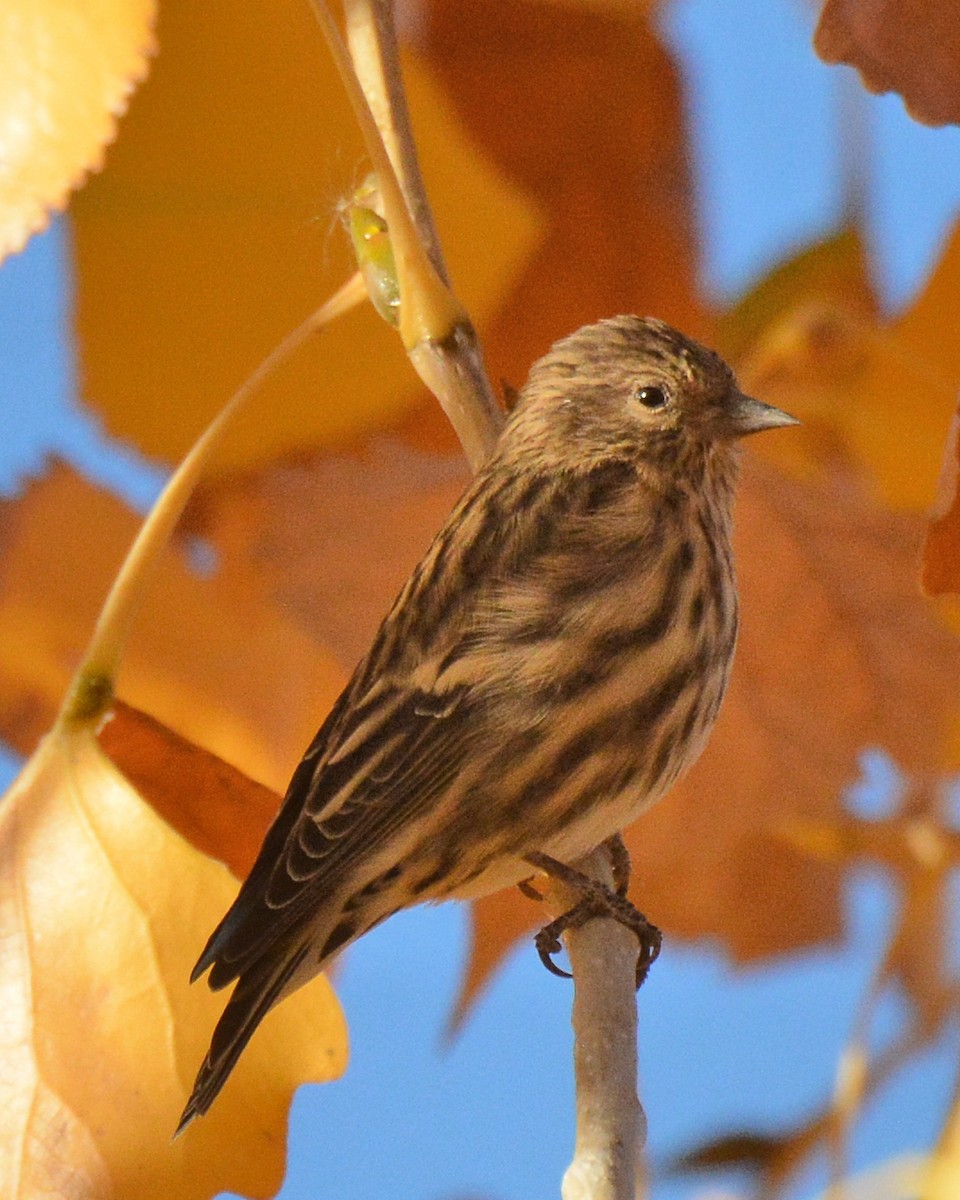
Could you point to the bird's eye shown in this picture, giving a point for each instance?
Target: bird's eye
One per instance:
(651, 397)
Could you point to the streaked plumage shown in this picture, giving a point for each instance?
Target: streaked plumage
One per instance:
(552, 665)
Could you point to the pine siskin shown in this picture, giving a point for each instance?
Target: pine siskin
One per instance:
(552, 665)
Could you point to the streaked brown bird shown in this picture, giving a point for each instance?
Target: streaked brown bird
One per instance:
(552, 665)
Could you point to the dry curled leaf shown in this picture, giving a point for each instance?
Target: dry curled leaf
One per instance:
(66, 72)
(103, 909)
(906, 46)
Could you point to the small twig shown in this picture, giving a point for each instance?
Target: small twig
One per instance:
(611, 1125)
(372, 42)
(434, 328)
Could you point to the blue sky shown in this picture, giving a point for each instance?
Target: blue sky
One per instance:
(489, 1115)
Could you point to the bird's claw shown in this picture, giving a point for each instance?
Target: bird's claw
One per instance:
(597, 900)
(529, 890)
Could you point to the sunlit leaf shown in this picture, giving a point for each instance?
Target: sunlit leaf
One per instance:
(103, 910)
(66, 73)
(215, 229)
(906, 46)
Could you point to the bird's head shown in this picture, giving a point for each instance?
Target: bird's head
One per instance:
(634, 387)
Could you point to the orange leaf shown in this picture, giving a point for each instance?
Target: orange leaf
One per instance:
(595, 136)
(906, 46)
(214, 231)
(210, 657)
(941, 551)
(66, 72)
(331, 538)
(877, 396)
(103, 909)
(212, 805)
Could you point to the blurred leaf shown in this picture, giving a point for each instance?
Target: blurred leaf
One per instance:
(215, 230)
(602, 155)
(66, 72)
(330, 539)
(941, 551)
(906, 46)
(875, 396)
(209, 657)
(103, 910)
(832, 275)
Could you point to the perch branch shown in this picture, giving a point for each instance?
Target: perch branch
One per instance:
(443, 348)
(611, 1125)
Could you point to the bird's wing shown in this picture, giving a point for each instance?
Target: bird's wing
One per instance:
(395, 756)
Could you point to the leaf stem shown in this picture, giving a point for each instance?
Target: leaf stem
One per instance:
(91, 690)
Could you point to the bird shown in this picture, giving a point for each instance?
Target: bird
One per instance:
(550, 668)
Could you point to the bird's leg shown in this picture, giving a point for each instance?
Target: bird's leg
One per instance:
(619, 863)
(597, 900)
(529, 890)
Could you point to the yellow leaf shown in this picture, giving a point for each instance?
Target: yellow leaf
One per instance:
(214, 230)
(103, 910)
(66, 71)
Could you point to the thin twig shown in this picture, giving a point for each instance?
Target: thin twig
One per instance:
(372, 42)
(434, 328)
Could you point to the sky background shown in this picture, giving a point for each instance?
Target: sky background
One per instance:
(489, 1114)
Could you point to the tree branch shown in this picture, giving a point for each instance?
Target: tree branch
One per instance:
(611, 1125)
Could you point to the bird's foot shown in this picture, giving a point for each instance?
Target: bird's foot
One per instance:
(597, 900)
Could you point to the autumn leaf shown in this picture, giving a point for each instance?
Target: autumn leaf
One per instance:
(906, 46)
(66, 73)
(876, 394)
(224, 193)
(941, 551)
(103, 910)
(212, 805)
(603, 157)
(214, 673)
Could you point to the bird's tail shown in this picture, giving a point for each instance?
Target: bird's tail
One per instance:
(259, 988)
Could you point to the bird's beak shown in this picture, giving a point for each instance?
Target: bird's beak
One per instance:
(751, 416)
